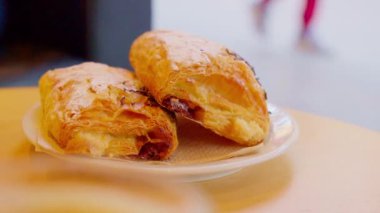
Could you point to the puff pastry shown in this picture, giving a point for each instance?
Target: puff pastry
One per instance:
(99, 110)
(203, 81)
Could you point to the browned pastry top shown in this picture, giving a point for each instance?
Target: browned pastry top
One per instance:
(203, 81)
(101, 110)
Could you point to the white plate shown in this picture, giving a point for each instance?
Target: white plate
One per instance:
(284, 132)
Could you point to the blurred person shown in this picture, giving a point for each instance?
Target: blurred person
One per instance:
(306, 41)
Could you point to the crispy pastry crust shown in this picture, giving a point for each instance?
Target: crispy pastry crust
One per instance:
(99, 110)
(203, 81)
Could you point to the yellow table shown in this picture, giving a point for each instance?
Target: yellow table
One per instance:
(334, 166)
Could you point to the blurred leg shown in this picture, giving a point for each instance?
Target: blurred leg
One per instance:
(306, 40)
(260, 13)
(308, 14)
(265, 3)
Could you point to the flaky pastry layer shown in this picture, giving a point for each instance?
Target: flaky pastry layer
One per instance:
(203, 81)
(98, 110)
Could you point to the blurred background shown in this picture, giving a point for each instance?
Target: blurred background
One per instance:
(318, 56)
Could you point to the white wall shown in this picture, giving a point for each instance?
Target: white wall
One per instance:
(347, 29)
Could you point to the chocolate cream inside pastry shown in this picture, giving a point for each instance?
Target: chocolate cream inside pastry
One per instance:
(98, 110)
(203, 81)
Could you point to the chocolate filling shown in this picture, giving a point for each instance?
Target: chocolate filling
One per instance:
(142, 91)
(151, 102)
(184, 107)
(155, 145)
(154, 151)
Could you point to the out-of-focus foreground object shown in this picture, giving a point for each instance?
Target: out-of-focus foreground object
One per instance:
(43, 184)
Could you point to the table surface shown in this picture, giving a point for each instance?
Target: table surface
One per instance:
(332, 168)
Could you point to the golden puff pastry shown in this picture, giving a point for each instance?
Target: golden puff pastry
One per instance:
(203, 81)
(99, 110)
